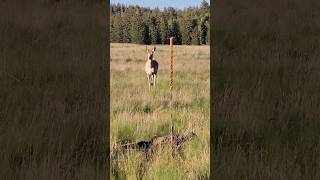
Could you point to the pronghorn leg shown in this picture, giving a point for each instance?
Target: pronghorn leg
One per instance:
(154, 80)
(149, 82)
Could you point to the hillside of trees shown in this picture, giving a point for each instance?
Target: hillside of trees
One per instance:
(135, 24)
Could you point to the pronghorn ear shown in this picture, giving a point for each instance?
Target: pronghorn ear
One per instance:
(154, 49)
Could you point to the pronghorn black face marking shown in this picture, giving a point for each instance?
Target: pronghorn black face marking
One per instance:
(151, 67)
(150, 52)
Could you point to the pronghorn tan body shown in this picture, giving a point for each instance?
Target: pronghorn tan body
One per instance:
(151, 68)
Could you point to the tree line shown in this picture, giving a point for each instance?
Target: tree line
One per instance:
(135, 24)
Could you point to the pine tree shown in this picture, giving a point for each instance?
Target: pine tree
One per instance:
(186, 29)
(146, 34)
(112, 31)
(204, 28)
(117, 29)
(134, 24)
(155, 30)
(164, 30)
(205, 7)
(176, 33)
(137, 28)
(195, 36)
(126, 27)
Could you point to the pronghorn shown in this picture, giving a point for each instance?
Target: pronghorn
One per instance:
(151, 68)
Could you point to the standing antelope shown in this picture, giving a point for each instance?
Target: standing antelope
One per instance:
(151, 68)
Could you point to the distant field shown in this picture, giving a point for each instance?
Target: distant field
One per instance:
(137, 114)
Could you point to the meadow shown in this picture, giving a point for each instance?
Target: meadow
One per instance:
(139, 114)
(53, 105)
(266, 90)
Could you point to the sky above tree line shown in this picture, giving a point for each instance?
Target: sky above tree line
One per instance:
(179, 4)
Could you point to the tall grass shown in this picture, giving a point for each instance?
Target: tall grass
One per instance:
(137, 114)
(52, 90)
(266, 102)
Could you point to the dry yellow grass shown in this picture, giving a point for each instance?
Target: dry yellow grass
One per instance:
(137, 114)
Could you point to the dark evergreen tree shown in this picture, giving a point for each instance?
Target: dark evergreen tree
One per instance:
(146, 34)
(164, 30)
(137, 28)
(134, 24)
(174, 31)
(195, 36)
(155, 30)
(187, 26)
(204, 28)
(126, 27)
(112, 31)
(117, 28)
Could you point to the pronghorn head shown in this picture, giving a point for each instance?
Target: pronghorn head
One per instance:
(150, 52)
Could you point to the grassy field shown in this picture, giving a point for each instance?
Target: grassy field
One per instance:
(52, 90)
(137, 114)
(266, 90)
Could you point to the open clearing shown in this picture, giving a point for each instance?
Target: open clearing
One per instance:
(137, 114)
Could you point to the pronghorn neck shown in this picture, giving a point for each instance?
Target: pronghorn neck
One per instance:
(150, 56)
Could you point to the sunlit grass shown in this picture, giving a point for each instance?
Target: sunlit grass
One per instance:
(137, 114)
